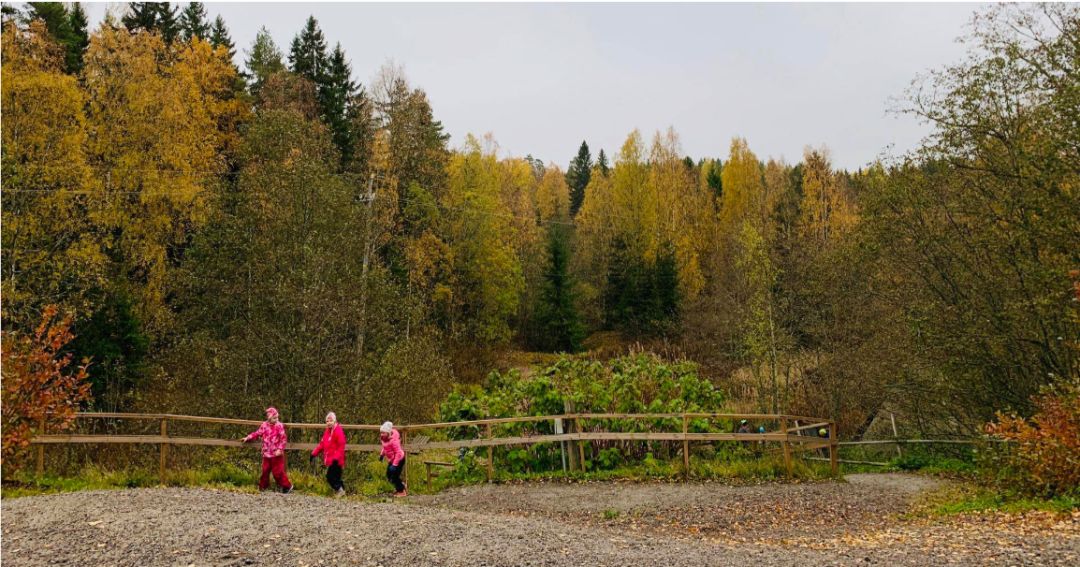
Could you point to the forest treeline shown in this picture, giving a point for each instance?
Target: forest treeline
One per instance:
(227, 236)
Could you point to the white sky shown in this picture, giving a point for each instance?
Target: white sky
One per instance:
(542, 77)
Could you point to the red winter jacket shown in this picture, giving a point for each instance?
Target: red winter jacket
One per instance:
(391, 448)
(332, 446)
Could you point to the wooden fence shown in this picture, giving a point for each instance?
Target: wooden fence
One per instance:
(787, 430)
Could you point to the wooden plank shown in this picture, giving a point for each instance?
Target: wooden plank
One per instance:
(213, 420)
(158, 439)
(811, 426)
(928, 441)
(847, 462)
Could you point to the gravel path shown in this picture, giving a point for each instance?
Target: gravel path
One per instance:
(536, 524)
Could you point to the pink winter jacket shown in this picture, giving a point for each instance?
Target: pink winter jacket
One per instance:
(391, 448)
(332, 446)
(273, 438)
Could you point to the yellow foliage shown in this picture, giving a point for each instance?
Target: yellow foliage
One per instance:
(159, 122)
(51, 252)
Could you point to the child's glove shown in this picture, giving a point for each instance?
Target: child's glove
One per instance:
(380, 458)
(311, 458)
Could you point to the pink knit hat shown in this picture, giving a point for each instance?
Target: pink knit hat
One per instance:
(332, 417)
(271, 412)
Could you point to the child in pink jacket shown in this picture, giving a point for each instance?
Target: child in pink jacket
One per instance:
(395, 456)
(332, 447)
(272, 433)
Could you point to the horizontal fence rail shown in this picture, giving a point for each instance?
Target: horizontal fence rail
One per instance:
(569, 428)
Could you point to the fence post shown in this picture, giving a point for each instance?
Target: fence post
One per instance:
(164, 450)
(892, 419)
(405, 461)
(834, 453)
(787, 446)
(490, 455)
(41, 448)
(580, 444)
(686, 446)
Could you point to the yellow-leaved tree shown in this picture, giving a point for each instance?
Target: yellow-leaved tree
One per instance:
(52, 254)
(160, 119)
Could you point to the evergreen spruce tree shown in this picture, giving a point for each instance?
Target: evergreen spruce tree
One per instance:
(193, 22)
(80, 38)
(602, 164)
(307, 54)
(713, 179)
(168, 25)
(335, 95)
(559, 325)
(219, 37)
(577, 177)
(140, 16)
(67, 28)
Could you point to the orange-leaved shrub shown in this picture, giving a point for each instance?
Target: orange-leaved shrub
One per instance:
(1044, 458)
(39, 384)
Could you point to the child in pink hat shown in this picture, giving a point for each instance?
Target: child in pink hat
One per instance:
(272, 433)
(332, 447)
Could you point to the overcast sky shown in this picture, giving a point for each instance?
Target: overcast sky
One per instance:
(543, 77)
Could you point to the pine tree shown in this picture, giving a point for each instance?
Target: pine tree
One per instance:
(577, 177)
(713, 179)
(67, 28)
(335, 96)
(140, 16)
(167, 22)
(602, 164)
(307, 54)
(80, 38)
(193, 22)
(154, 17)
(264, 59)
(219, 37)
(559, 324)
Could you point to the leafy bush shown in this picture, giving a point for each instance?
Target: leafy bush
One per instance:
(638, 383)
(1045, 458)
(39, 383)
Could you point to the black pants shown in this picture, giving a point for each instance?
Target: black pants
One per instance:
(333, 476)
(393, 474)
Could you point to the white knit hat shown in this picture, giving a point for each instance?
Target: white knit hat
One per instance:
(387, 427)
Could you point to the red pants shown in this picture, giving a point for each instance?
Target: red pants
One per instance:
(275, 466)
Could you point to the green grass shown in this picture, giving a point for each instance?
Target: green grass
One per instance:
(366, 477)
(965, 498)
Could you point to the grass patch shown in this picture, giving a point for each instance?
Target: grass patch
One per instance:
(967, 498)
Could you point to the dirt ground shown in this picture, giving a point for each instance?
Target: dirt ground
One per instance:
(831, 523)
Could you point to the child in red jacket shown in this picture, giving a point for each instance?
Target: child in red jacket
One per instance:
(332, 447)
(395, 456)
(272, 433)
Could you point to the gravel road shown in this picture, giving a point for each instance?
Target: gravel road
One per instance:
(534, 524)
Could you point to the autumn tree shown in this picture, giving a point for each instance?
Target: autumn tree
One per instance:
(981, 221)
(53, 250)
(161, 121)
(40, 386)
